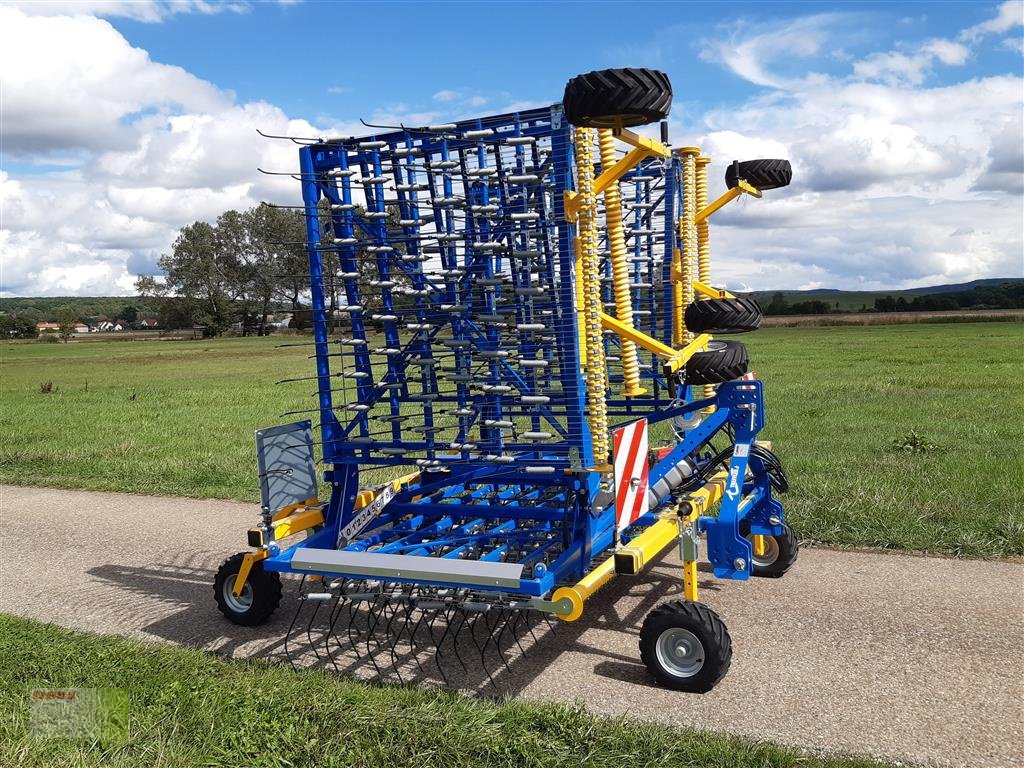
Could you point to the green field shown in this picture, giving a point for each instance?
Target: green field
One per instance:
(177, 417)
(186, 707)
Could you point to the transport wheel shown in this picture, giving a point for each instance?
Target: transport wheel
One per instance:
(633, 96)
(259, 598)
(723, 361)
(685, 646)
(723, 316)
(780, 552)
(762, 174)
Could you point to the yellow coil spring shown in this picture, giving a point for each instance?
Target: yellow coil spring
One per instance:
(703, 244)
(596, 371)
(689, 229)
(620, 268)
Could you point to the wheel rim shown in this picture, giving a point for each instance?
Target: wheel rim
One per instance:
(239, 604)
(771, 552)
(680, 652)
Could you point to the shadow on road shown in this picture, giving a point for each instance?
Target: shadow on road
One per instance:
(491, 653)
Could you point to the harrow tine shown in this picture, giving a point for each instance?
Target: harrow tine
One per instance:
(437, 646)
(393, 639)
(336, 612)
(372, 620)
(515, 623)
(410, 606)
(481, 610)
(503, 618)
(309, 629)
(457, 611)
(295, 618)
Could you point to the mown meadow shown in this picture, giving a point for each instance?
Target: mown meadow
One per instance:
(901, 436)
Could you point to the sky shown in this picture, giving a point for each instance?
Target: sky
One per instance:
(124, 121)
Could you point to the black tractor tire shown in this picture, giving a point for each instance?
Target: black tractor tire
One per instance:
(739, 315)
(259, 598)
(686, 646)
(781, 553)
(630, 96)
(723, 361)
(761, 174)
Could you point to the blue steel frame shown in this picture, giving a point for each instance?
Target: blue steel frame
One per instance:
(490, 498)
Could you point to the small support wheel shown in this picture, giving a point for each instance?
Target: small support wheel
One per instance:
(259, 598)
(780, 553)
(685, 646)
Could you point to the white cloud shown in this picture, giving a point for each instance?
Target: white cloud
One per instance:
(149, 11)
(895, 183)
(751, 56)
(154, 148)
(1010, 16)
(76, 83)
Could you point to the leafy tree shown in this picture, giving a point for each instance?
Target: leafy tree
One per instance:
(196, 269)
(66, 319)
(778, 305)
(130, 314)
(18, 327)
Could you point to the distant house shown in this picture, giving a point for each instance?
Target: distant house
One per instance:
(108, 325)
(47, 327)
(148, 322)
(81, 328)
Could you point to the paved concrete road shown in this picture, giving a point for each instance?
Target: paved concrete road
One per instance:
(901, 657)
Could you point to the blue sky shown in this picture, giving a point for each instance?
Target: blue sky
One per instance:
(404, 52)
(124, 121)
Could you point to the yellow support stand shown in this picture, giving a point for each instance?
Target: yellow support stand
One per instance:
(690, 580)
(620, 268)
(596, 372)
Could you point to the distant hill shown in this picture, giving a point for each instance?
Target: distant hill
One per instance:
(854, 301)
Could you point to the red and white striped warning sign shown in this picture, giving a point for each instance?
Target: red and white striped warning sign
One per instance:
(631, 470)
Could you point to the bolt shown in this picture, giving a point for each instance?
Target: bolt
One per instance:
(739, 564)
(775, 520)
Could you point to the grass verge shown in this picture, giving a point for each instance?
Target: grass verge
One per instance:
(904, 436)
(187, 707)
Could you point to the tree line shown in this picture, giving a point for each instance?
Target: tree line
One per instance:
(1008, 295)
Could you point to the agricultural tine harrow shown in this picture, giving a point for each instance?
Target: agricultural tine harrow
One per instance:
(409, 634)
(518, 395)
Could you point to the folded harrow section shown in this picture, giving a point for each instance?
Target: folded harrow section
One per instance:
(460, 343)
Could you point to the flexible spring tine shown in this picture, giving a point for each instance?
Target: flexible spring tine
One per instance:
(515, 624)
(392, 640)
(437, 646)
(531, 622)
(336, 612)
(372, 620)
(504, 618)
(288, 634)
(455, 639)
(409, 608)
(309, 631)
(483, 648)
